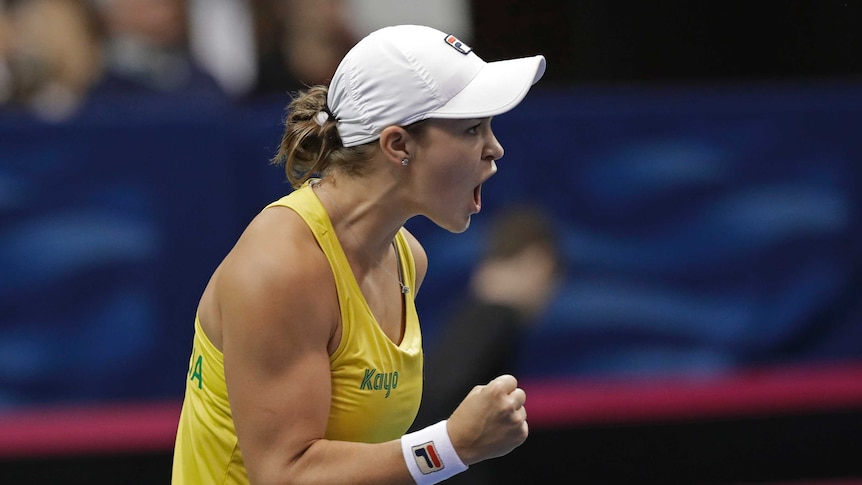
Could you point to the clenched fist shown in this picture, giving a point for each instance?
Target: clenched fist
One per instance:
(490, 422)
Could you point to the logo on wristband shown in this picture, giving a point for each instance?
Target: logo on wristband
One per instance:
(427, 458)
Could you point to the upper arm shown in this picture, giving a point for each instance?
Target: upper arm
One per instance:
(276, 328)
(279, 313)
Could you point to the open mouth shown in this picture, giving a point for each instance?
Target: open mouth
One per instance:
(477, 198)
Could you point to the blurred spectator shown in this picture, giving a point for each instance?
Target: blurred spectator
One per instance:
(147, 49)
(517, 277)
(5, 54)
(222, 39)
(300, 43)
(51, 57)
(452, 16)
(514, 281)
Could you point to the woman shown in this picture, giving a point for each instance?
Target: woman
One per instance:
(307, 358)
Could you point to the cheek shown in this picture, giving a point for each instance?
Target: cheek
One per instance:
(452, 179)
(450, 169)
(438, 167)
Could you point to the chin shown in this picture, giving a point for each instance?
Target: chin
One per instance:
(454, 227)
(461, 228)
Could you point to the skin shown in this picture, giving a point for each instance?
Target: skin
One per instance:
(157, 22)
(525, 281)
(56, 33)
(277, 358)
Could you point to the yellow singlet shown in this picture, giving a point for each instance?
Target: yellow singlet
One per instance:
(376, 383)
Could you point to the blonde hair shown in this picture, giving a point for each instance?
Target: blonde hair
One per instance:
(310, 150)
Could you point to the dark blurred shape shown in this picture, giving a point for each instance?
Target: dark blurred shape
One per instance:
(519, 272)
(6, 87)
(594, 41)
(146, 49)
(49, 57)
(300, 43)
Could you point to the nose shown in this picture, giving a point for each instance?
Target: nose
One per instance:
(493, 149)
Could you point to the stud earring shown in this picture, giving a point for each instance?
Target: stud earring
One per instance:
(404, 161)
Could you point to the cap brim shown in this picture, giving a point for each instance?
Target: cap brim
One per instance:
(498, 87)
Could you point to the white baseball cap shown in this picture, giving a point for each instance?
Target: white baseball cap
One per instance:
(406, 73)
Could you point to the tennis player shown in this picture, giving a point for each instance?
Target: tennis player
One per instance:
(306, 364)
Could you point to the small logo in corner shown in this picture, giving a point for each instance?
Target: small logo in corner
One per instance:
(458, 45)
(427, 458)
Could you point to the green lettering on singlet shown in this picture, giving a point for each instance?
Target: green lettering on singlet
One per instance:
(197, 371)
(376, 381)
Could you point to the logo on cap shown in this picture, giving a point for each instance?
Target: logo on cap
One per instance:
(458, 45)
(427, 458)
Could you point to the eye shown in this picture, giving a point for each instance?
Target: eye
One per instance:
(474, 130)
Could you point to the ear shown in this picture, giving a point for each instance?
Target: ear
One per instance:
(394, 142)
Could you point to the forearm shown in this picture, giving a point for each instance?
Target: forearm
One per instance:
(337, 462)
(428, 456)
(489, 422)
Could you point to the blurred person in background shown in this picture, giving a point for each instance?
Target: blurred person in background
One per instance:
(300, 43)
(146, 49)
(6, 87)
(517, 277)
(222, 39)
(366, 16)
(50, 57)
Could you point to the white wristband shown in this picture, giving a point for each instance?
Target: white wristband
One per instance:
(430, 456)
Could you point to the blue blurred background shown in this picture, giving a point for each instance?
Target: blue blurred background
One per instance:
(704, 229)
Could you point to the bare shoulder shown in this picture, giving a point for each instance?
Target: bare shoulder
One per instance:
(277, 243)
(419, 256)
(275, 272)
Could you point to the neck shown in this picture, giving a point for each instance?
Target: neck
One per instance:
(361, 216)
(369, 257)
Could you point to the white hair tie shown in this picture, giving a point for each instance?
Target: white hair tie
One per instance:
(321, 117)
